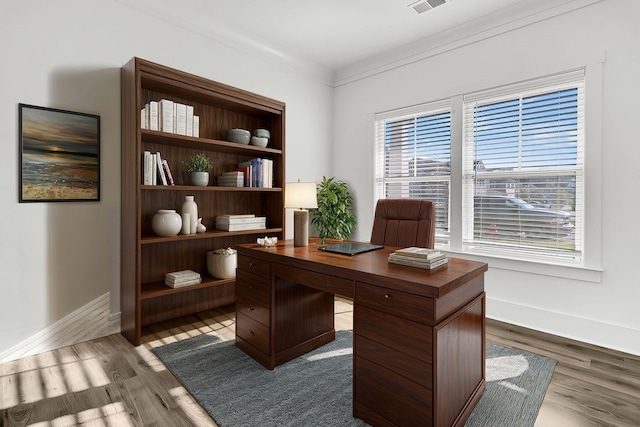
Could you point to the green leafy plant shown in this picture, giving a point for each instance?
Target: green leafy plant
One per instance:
(334, 216)
(198, 163)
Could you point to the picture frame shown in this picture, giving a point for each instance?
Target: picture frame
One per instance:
(59, 155)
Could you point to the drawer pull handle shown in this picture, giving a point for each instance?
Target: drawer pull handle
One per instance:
(387, 296)
(251, 308)
(251, 333)
(250, 264)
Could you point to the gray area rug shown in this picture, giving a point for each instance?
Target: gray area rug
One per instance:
(315, 389)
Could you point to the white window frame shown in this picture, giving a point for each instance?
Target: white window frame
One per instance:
(589, 268)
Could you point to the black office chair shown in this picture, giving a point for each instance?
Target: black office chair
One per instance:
(404, 223)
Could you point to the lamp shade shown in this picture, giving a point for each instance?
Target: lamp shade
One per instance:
(300, 195)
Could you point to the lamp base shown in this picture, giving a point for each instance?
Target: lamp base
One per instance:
(300, 227)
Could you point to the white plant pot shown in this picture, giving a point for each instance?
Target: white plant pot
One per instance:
(222, 266)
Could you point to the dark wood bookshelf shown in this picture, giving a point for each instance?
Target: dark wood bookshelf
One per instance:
(145, 257)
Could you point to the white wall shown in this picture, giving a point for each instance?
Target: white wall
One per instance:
(603, 312)
(57, 257)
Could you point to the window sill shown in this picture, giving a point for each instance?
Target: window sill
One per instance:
(543, 268)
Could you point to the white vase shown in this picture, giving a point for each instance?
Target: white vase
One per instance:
(222, 266)
(166, 222)
(190, 207)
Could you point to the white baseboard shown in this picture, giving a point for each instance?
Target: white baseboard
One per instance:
(88, 322)
(615, 337)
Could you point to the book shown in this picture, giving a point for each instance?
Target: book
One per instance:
(247, 220)
(167, 171)
(174, 285)
(152, 118)
(181, 118)
(165, 115)
(395, 256)
(144, 117)
(189, 120)
(196, 126)
(427, 266)
(146, 168)
(241, 227)
(236, 216)
(419, 252)
(181, 275)
(160, 168)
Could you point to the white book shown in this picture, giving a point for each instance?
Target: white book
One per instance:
(144, 118)
(160, 167)
(154, 170)
(419, 264)
(241, 227)
(146, 168)
(152, 123)
(182, 274)
(189, 120)
(165, 114)
(247, 220)
(413, 259)
(185, 283)
(181, 118)
(419, 252)
(196, 126)
(229, 216)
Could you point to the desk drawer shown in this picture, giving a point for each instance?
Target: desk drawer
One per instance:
(254, 265)
(253, 332)
(401, 304)
(402, 335)
(255, 311)
(253, 287)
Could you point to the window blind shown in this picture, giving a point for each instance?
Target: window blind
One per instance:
(413, 158)
(523, 184)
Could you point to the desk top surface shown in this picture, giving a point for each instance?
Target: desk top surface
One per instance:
(371, 267)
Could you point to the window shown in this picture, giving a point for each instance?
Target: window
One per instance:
(413, 153)
(521, 167)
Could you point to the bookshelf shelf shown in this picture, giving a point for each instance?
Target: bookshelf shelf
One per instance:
(147, 258)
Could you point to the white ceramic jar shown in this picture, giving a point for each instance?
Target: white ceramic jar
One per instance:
(166, 222)
(222, 263)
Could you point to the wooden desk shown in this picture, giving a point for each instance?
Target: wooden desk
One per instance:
(419, 335)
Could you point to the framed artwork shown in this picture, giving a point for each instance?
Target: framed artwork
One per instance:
(59, 155)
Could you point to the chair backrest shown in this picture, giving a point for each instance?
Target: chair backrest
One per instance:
(404, 222)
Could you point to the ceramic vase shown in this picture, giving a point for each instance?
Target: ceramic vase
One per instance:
(190, 207)
(166, 222)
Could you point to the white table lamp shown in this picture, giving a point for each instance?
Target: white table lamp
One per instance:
(300, 196)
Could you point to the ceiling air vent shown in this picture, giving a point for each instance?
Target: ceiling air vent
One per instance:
(424, 5)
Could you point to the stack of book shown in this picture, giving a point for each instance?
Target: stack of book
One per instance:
(240, 222)
(169, 116)
(155, 170)
(178, 279)
(231, 179)
(418, 257)
(258, 172)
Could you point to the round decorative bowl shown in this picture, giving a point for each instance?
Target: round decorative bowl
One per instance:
(262, 133)
(267, 241)
(241, 136)
(166, 222)
(222, 263)
(259, 141)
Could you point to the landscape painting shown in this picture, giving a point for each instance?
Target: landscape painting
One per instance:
(59, 155)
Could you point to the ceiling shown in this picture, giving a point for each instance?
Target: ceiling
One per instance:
(334, 34)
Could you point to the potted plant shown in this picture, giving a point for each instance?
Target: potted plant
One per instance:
(198, 167)
(334, 217)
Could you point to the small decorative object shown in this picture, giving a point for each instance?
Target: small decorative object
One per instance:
(186, 223)
(262, 133)
(334, 216)
(300, 196)
(200, 227)
(222, 263)
(166, 222)
(259, 141)
(198, 167)
(267, 241)
(59, 155)
(241, 136)
(189, 206)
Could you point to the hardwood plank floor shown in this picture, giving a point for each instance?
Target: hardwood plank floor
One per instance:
(108, 382)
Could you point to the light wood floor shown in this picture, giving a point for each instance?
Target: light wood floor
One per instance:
(108, 382)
